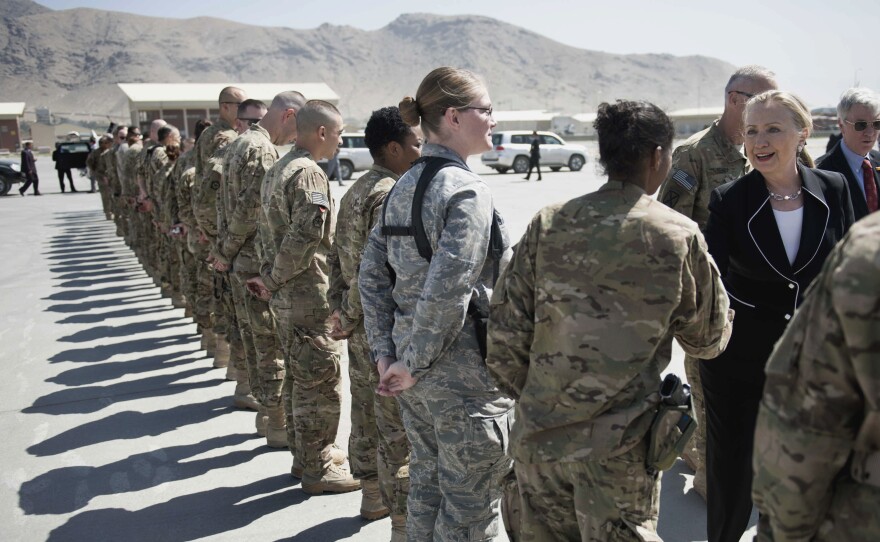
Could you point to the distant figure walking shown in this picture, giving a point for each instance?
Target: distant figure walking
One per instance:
(29, 169)
(63, 169)
(535, 155)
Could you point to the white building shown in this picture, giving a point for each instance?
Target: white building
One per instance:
(523, 120)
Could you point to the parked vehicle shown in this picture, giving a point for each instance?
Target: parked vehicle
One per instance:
(511, 151)
(10, 173)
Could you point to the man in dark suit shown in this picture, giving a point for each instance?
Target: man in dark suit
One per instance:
(858, 115)
(29, 169)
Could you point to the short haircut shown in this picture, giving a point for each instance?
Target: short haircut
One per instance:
(385, 125)
(628, 134)
(120, 128)
(289, 99)
(243, 106)
(164, 131)
(857, 96)
(135, 129)
(316, 113)
(230, 94)
(106, 138)
(752, 72)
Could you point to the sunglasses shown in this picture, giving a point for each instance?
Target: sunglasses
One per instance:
(741, 93)
(861, 125)
(249, 121)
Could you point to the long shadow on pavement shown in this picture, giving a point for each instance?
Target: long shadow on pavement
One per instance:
(102, 372)
(130, 425)
(127, 330)
(189, 517)
(67, 489)
(330, 531)
(109, 315)
(107, 351)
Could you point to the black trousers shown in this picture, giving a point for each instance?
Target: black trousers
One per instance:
(32, 179)
(534, 163)
(731, 415)
(61, 173)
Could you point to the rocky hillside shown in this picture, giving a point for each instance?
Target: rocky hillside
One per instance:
(70, 60)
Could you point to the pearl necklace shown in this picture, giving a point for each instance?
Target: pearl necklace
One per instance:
(780, 197)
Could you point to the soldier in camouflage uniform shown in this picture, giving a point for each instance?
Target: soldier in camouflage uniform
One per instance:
(378, 449)
(157, 173)
(425, 343)
(112, 175)
(208, 160)
(817, 442)
(704, 162)
(246, 162)
(127, 187)
(130, 189)
(296, 236)
(147, 229)
(98, 167)
(580, 329)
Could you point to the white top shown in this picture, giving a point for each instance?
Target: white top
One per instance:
(790, 224)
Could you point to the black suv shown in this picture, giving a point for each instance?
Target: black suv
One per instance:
(10, 173)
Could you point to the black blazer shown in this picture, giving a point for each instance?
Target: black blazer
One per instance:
(764, 288)
(28, 164)
(836, 161)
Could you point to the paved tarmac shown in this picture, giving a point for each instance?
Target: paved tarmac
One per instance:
(114, 425)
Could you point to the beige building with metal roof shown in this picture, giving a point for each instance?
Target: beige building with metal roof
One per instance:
(183, 104)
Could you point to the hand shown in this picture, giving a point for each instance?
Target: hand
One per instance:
(383, 364)
(203, 239)
(220, 266)
(335, 324)
(258, 289)
(395, 380)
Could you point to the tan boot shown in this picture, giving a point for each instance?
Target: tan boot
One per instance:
(231, 372)
(209, 342)
(276, 428)
(262, 421)
(296, 470)
(221, 352)
(334, 454)
(372, 507)
(398, 528)
(243, 398)
(335, 479)
(177, 300)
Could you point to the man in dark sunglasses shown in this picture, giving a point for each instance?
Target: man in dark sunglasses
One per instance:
(858, 115)
(250, 112)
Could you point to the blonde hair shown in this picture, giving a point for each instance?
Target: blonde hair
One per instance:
(799, 111)
(441, 89)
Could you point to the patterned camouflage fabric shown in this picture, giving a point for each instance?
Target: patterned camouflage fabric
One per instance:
(378, 446)
(159, 169)
(246, 160)
(818, 430)
(699, 165)
(296, 233)
(129, 182)
(580, 329)
(456, 419)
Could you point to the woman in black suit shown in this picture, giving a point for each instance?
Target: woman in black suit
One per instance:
(769, 232)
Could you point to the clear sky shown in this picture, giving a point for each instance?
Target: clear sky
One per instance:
(817, 48)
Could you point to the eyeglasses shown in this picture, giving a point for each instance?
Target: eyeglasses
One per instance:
(249, 121)
(860, 125)
(746, 94)
(487, 110)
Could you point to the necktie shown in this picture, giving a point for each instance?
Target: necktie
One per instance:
(870, 185)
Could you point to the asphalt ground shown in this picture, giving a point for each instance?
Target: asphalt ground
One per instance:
(113, 424)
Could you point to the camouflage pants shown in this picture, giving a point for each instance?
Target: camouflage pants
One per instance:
(459, 458)
(252, 357)
(612, 500)
(186, 271)
(269, 354)
(378, 446)
(695, 453)
(226, 322)
(312, 360)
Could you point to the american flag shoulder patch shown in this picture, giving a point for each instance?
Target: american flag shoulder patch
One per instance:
(319, 198)
(684, 179)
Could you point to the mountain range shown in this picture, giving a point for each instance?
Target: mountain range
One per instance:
(70, 61)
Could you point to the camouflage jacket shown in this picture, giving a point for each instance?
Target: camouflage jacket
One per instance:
(820, 416)
(158, 171)
(141, 166)
(246, 161)
(129, 169)
(108, 170)
(209, 163)
(296, 230)
(171, 212)
(421, 317)
(582, 320)
(124, 189)
(699, 165)
(359, 210)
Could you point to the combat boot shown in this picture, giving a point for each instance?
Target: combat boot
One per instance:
(296, 470)
(243, 398)
(332, 454)
(335, 479)
(231, 372)
(398, 528)
(261, 421)
(221, 353)
(209, 342)
(177, 300)
(276, 428)
(372, 507)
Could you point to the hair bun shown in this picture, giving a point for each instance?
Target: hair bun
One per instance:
(409, 111)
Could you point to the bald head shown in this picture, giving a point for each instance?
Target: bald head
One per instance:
(317, 113)
(154, 128)
(290, 99)
(280, 120)
(230, 98)
(319, 128)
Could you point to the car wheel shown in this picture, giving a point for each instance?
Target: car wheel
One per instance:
(345, 169)
(576, 162)
(5, 185)
(555, 168)
(501, 170)
(520, 164)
